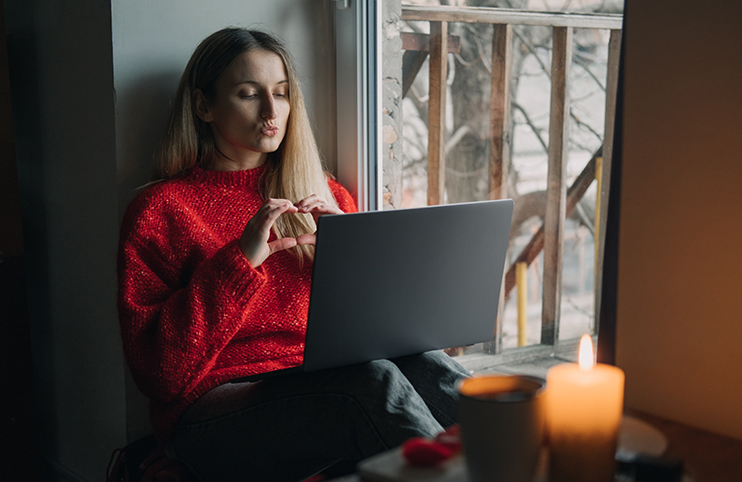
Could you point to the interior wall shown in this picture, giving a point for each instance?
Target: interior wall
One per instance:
(90, 86)
(61, 83)
(679, 326)
(19, 460)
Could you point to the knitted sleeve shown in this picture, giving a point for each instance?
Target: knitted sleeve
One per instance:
(343, 197)
(174, 329)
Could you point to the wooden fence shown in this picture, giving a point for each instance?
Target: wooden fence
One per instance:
(560, 200)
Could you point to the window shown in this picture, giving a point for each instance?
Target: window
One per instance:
(523, 99)
(548, 123)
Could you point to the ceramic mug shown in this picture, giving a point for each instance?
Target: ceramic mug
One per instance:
(502, 426)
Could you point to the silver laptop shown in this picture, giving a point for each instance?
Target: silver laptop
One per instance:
(392, 283)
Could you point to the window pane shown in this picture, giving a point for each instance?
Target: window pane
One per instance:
(471, 156)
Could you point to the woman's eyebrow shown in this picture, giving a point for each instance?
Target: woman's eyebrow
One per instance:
(250, 82)
(253, 82)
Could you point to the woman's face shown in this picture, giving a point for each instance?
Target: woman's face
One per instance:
(250, 108)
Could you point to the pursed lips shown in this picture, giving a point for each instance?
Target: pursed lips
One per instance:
(269, 130)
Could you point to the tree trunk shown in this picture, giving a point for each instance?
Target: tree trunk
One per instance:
(467, 161)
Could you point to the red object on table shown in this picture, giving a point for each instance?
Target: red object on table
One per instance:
(425, 452)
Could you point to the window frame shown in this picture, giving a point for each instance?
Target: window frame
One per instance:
(358, 96)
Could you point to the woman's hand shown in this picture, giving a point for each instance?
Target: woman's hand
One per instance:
(316, 206)
(254, 240)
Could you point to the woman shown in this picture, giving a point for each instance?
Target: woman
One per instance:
(214, 274)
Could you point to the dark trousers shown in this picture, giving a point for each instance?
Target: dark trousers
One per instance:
(284, 428)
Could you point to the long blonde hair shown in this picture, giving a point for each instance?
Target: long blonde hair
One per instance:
(294, 171)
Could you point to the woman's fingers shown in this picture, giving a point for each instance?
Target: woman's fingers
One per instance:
(315, 203)
(281, 244)
(269, 212)
(254, 239)
(306, 239)
(316, 206)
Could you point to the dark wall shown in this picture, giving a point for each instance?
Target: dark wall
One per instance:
(60, 63)
(19, 461)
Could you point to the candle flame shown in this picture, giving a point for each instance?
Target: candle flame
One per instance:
(586, 352)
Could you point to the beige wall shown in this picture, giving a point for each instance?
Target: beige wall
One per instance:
(679, 320)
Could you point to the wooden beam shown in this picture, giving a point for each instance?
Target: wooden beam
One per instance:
(536, 244)
(502, 41)
(556, 189)
(412, 62)
(416, 47)
(437, 112)
(421, 42)
(614, 52)
(510, 16)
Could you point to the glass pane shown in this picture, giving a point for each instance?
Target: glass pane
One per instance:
(467, 157)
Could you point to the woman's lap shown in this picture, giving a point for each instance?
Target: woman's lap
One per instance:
(434, 375)
(282, 428)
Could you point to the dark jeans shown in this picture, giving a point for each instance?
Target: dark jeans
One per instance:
(285, 428)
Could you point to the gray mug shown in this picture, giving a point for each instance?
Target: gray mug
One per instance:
(502, 426)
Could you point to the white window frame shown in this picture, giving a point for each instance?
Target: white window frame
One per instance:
(357, 50)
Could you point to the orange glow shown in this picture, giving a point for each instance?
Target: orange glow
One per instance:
(586, 353)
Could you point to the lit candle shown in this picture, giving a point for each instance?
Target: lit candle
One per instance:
(584, 404)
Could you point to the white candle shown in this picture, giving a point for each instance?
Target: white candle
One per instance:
(584, 404)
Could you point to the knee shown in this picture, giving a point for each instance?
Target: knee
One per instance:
(436, 358)
(449, 363)
(382, 371)
(381, 376)
(435, 363)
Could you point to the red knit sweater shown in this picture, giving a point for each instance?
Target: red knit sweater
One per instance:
(193, 312)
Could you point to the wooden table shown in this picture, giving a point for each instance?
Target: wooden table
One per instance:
(707, 457)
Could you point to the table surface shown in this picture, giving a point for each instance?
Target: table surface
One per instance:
(707, 457)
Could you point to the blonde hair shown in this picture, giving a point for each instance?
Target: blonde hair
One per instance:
(294, 171)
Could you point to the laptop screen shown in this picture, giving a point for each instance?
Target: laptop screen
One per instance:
(393, 283)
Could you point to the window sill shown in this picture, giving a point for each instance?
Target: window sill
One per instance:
(533, 360)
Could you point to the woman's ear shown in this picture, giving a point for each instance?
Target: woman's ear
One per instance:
(202, 107)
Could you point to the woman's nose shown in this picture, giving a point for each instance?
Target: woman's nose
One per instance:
(268, 108)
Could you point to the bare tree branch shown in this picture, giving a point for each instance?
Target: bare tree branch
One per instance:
(466, 63)
(585, 126)
(583, 97)
(456, 137)
(530, 124)
(579, 61)
(580, 146)
(480, 48)
(527, 43)
(584, 218)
